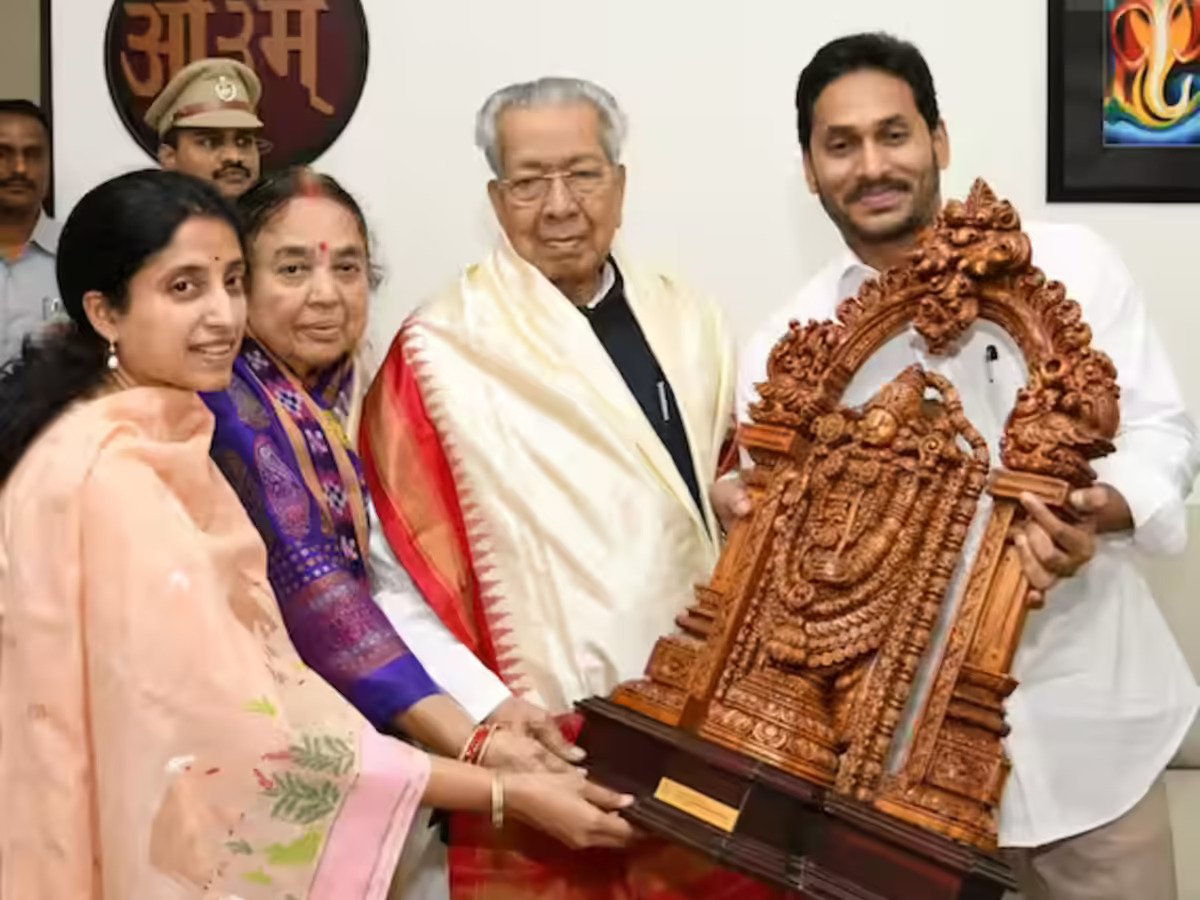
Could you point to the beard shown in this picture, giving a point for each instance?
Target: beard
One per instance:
(926, 201)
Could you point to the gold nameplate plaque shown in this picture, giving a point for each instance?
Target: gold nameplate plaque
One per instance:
(697, 805)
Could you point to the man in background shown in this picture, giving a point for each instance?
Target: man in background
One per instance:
(208, 126)
(28, 237)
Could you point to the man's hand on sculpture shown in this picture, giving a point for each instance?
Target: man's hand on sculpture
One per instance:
(730, 499)
(1105, 505)
(537, 727)
(1052, 548)
(513, 751)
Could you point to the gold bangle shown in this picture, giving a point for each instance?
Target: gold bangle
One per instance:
(487, 742)
(497, 801)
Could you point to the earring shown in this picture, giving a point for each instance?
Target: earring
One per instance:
(112, 362)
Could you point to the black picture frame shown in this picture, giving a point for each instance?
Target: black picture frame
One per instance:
(1080, 167)
(47, 92)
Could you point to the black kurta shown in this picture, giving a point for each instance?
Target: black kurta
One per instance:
(621, 336)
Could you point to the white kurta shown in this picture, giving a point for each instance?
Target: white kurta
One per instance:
(449, 662)
(1105, 694)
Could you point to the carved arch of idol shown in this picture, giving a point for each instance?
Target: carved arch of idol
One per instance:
(828, 643)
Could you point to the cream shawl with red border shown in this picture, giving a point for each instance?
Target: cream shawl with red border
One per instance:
(583, 540)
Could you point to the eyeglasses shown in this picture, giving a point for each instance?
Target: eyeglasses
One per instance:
(583, 182)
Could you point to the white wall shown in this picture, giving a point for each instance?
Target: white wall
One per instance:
(715, 189)
(20, 49)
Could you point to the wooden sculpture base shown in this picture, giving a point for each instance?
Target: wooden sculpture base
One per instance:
(773, 826)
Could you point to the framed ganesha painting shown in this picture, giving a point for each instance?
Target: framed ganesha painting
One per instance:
(1124, 101)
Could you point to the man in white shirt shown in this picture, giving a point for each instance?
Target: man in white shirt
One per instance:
(28, 237)
(1105, 695)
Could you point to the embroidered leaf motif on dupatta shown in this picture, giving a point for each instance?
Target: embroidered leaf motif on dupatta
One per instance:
(302, 800)
(261, 706)
(327, 755)
(241, 848)
(300, 852)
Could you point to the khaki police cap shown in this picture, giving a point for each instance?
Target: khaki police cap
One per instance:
(208, 93)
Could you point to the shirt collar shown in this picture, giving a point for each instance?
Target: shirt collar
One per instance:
(608, 278)
(850, 273)
(45, 234)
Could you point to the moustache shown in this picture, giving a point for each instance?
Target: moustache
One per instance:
(868, 187)
(232, 167)
(18, 181)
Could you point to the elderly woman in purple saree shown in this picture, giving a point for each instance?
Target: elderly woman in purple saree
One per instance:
(281, 440)
(283, 448)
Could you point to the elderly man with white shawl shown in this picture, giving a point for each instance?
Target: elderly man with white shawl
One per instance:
(539, 447)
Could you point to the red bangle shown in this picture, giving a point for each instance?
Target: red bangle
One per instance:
(473, 748)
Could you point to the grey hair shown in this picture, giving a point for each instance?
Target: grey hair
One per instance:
(550, 92)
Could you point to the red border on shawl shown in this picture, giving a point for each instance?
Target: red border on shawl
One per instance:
(394, 412)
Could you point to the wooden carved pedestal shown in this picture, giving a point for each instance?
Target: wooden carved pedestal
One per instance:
(850, 637)
(750, 816)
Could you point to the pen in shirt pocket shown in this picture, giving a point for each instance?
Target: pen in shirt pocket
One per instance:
(990, 355)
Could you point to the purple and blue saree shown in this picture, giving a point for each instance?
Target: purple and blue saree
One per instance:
(284, 450)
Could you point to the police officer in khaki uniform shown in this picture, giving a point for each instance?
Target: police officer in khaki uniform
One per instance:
(207, 123)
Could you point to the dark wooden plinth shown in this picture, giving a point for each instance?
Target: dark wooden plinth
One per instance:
(789, 832)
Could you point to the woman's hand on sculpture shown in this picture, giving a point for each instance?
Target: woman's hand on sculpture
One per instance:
(534, 722)
(569, 808)
(512, 751)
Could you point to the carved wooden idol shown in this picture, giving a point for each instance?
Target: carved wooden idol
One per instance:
(850, 636)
